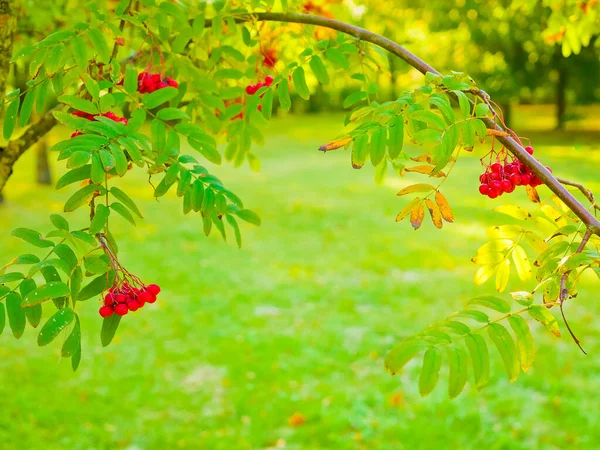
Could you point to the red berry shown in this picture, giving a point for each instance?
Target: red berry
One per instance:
(109, 299)
(495, 176)
(483, 178)
(496, 167)
(535, 181)
(496, 186)
(483, 189)
(121, 309)
(121, 298)
(269, 80)
(529, 149)
(515, 179)
(525, 180)
(507, 186)
(251, 89)
(145, 296)
(106, 311)
(154, 289)
(133, 305)
(152, 298)
(492, 193)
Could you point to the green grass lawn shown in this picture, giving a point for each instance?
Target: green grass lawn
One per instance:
(298, 321)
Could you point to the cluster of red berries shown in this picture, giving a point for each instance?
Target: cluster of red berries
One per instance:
(252, 88)
(111, 115)
(505, 177)
(150, 82)
(122, 299)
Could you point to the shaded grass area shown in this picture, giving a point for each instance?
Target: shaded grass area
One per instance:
(297, 321)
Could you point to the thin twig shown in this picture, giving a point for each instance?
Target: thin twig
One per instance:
(564, 292)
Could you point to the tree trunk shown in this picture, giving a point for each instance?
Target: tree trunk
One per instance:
(8, 23)
(561, 101)
(43, 164)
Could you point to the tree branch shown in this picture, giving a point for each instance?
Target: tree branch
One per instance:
(509, 142)
(15, 149)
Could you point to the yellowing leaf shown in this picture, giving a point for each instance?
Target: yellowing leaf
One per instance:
(426, 170)
(407, 209)
(497, 245)
(504, 231)
(436, 217)
(537, 244)
(543, 315)
(513, 211)
(502, 275)
(555, 216)
(532, 193)
(483, 274)
(491, 258)
(333, 145)
(419, 187)
(522, 263)
(416, 216)
(444, 207)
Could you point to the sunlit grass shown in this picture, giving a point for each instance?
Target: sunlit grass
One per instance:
(297, 321)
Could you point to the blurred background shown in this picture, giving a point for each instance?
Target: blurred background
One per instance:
(281, 344)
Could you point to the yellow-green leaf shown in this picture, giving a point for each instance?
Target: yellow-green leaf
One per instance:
(430, 372)
(524, 340)
(506, 347)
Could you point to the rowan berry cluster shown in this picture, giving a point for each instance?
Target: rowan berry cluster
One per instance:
(150, 82)
(252, 88)
(503, 177)
(120, 299)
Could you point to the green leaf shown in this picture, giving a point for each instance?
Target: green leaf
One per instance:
(10, 118)
(10, 277)
(483, 110)
(27, 107)
(79, 49)
(59, 222)
(403, 353)
(52, 262)
(488, 301)
(524, 340)
(32, 237)
(130, 82)
(126, 200)
(360, 151)
(197, 195)
(76, 280)
(97, 286)
(267, 104)
(299, 79)
(159, 97)
(27, 259)
(249, 216)
(99, 45)
(284, 95)
(96, 264)
(55, 324)
(210, 152)
(73, 343)
(51, 290)
(396, 136)
(430, 372)
(109, 328)
(480, 359)
(65, 253)
(319, 69)
(429, 118)
(99, 220)
(172, 114)
(353, 98)
(16, 314)
(236, 229)
(123, 212)
(73, 176)
(377, 146)
(79, 104)
(208, 202)
(108, 160)
(506, 347)
(335, 55)
(457, 363)
(82, 197)
(76, 359)
(544, 316)
(463, 103)
(2, 318)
